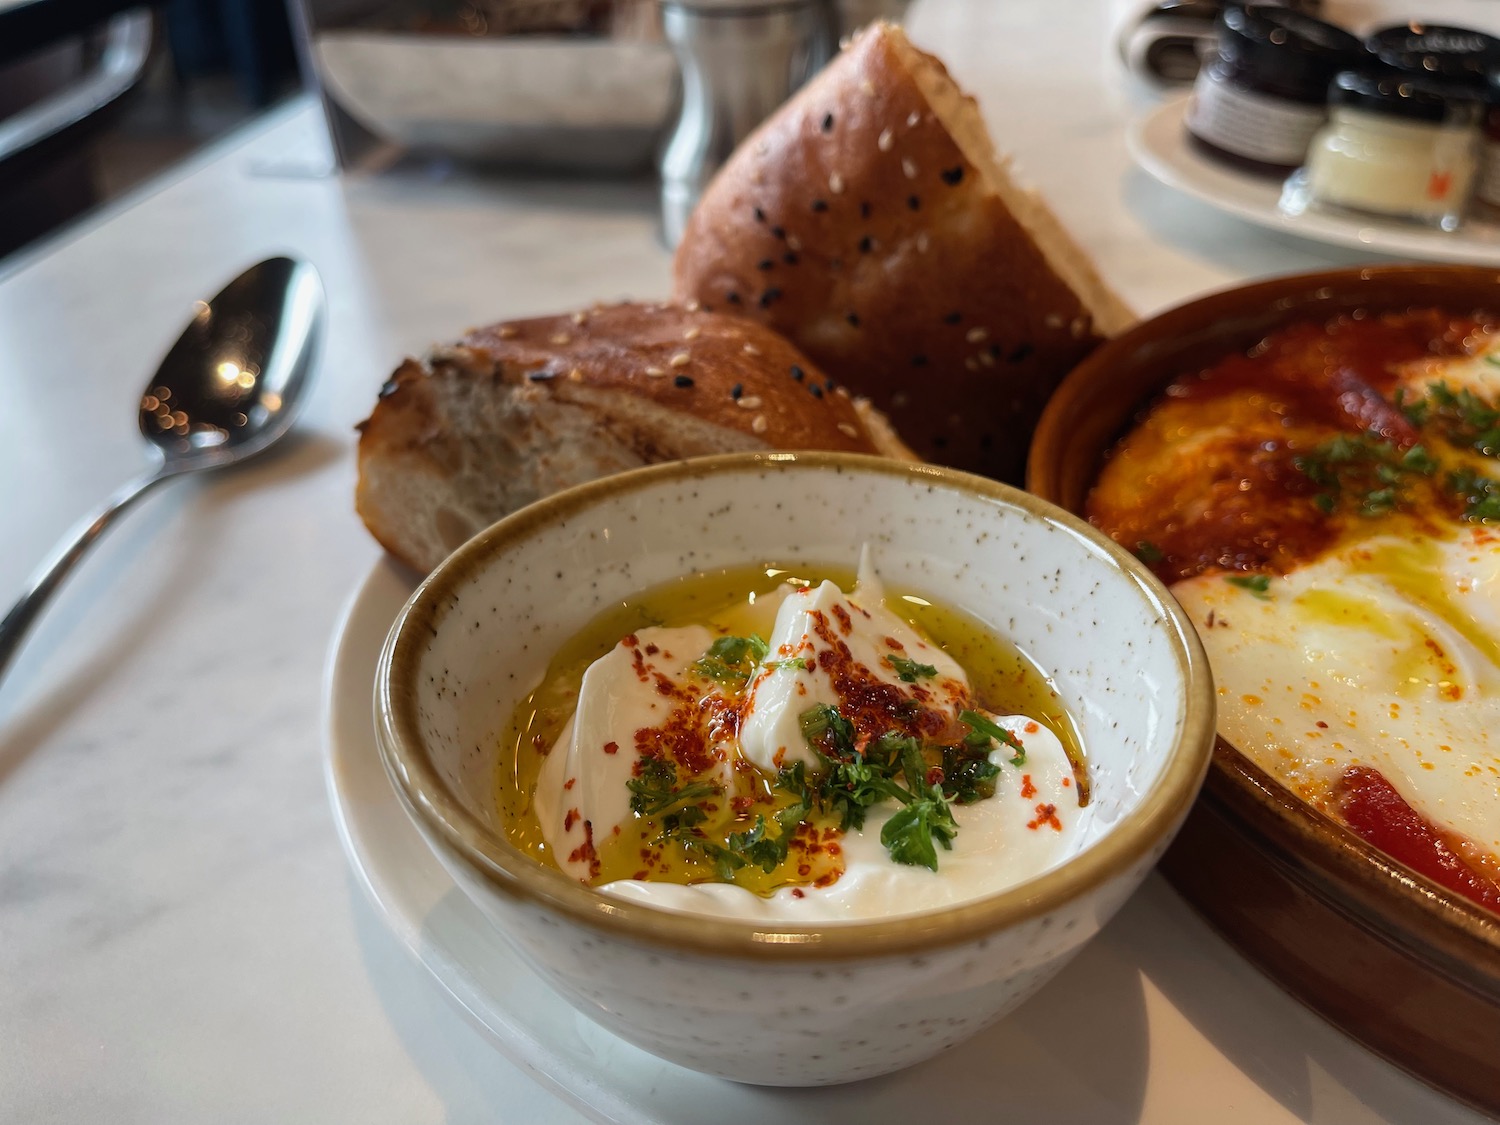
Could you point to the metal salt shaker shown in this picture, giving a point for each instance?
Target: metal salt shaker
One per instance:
(740, 59)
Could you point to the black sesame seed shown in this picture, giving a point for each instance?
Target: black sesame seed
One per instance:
(790, 258)
(914, 202)
(736, 391)
(540, 376)
(954, 175)
(995, 350)
(828, 123)
(940, 441)
(820, 205)
(764, 264)
(919, 361)
(866, 244)
(779, 232)
(852, 318)
(986, 441)
(770, 295)
(760, 216)
(683, 381)
(797, 373)
(829, 384)
(953, 318)
(864, 210)
(817, 391)
(732, 298)
(1021, 352)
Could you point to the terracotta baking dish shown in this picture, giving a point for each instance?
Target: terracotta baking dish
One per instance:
(1407, 968)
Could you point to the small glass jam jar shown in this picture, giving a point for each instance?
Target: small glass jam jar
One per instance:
(1488, 191)
(1259, 100)
(1393, 146)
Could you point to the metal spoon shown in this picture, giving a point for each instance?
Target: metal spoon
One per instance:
(230, 386)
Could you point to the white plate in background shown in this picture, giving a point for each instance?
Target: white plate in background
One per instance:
(1159, 143)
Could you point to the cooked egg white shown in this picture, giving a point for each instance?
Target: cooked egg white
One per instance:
(1383, 653)
(581, 798)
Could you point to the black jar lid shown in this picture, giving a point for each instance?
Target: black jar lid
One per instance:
(1394, 94)
(1284, 49)
(1449, 54)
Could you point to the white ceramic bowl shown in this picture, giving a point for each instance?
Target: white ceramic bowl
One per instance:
(786, 1004)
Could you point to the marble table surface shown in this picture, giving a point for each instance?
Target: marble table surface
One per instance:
(179, 935)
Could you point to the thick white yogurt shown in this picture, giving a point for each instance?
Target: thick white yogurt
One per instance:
(582, 799)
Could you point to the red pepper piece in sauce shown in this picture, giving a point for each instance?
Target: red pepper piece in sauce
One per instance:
(1379, 815)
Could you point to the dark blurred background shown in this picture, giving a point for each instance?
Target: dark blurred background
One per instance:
(98, 95)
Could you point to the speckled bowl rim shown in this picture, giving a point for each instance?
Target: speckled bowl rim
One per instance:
(1464, 929)
(518, 876)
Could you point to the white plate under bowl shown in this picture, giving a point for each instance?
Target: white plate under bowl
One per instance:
(1156, 1022)
(1159, 143)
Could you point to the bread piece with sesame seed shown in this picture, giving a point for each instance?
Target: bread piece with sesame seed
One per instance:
(870, 221)
(516, 411)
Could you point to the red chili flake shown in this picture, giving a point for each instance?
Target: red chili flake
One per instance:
(893, 643)
(1030, 728)
(570, 820)
(640, 875)
(638, 662)
(1045, 814)
(1322, 725)
(1067, 782)
(611, 747)
(630, 640)
(798, 892)
(741, 805)
(570, 783)
(585, 852)
(539, 744)
(845, 625)
(1028, 790)
(652, 650)
(935, 775)
(804, 869)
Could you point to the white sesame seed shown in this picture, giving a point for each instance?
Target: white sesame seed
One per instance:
(842, 392)
(692, 306)
(507, 331)
(971, 364)
(987, 359)
(899, 399)
(759, 424)
(793, 243)
(692, 333)
(977, 335)
(750, 402)
(561, 338)
(909, 168)
(885, 141)
(922, 242)
(914, 120)
(1080, 323)
(655, 372)
(681, 359)
(576, 375)
(867, 88)
(848, 430)
(579, 318)
(836, 184)
(751, 349)
(1054, 321)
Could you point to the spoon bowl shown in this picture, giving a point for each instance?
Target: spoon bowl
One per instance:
(230, 386)
(232, 383)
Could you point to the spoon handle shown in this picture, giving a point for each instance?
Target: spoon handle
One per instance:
(45, 582)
